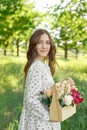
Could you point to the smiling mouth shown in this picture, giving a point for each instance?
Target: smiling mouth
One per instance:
(43, 51)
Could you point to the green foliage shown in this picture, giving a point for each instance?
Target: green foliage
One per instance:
(18, 19)
(69, 22)
(13, 125)
(46, 100)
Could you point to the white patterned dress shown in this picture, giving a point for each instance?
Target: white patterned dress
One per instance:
(34, 115)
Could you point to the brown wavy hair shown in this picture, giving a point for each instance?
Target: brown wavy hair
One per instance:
(32, 53)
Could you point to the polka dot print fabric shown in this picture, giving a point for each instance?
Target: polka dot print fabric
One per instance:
(34, 115)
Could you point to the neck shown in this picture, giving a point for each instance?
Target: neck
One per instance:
(41, 59)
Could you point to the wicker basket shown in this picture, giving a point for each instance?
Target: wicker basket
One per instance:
(58, 113)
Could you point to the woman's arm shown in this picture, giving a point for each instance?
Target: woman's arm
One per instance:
(33, 88)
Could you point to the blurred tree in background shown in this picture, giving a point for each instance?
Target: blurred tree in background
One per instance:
(17, 21)
(69, 24)
(67, 21)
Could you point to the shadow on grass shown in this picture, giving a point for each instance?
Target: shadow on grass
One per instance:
(11, 93)
(10, 107)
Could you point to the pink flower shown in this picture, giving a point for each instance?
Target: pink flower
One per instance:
(76, 96)
(70, 80)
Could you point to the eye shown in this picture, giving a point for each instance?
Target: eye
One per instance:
(47, 42)
(39, 42)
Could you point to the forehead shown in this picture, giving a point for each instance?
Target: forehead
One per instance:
(44, 37)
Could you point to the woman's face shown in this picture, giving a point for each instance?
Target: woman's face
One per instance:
(43, 47)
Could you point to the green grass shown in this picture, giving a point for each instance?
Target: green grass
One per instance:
(11, 90)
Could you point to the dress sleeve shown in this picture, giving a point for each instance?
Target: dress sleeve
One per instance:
(33, 88)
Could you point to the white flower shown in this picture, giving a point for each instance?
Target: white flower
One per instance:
(74, 87)
(68, 99)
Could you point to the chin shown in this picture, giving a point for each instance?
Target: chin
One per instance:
(43, 55)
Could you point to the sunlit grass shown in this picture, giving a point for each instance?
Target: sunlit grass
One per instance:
(11, 72)
(72, 67)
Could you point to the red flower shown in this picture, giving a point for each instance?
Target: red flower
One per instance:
(76, 96)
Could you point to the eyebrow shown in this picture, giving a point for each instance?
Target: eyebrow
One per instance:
(46, 40)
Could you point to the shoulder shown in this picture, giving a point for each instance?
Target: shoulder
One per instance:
(37, 65)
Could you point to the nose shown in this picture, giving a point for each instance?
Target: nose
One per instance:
(44, 45)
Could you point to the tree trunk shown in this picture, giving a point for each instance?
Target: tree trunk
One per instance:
(65, 49)
(5, 48)
(17, 45)
(5, 52)
(76, 53)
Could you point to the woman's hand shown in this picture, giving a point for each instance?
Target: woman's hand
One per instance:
(48, 92)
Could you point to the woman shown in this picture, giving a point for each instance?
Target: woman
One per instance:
(39, 78)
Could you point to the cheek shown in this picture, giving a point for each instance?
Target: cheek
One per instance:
(49, 47)
(37, 48)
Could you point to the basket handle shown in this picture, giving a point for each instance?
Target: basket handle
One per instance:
(55, 108)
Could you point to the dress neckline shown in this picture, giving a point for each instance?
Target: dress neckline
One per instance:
(40, 61)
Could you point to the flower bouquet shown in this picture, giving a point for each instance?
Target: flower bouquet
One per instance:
(67, 93)
(62, 100)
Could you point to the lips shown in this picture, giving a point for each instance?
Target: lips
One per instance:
(44, 51)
